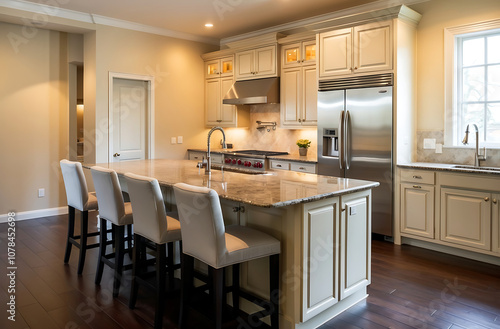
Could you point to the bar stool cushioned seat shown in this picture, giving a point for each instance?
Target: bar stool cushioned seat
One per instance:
(206, 238)
(79, 198)
(112, 208)
(151, 222)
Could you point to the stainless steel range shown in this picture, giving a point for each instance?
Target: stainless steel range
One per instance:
(250, 159)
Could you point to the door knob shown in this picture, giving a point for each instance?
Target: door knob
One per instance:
(116, 155)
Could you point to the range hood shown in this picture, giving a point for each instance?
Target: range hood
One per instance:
(258, 91)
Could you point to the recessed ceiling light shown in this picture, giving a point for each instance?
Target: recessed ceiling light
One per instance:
(209, 25)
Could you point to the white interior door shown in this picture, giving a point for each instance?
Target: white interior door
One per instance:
(129, 120)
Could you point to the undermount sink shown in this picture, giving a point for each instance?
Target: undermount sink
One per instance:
(477, 168)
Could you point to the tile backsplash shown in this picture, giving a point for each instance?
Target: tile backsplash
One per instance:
(274, 140)
(455, 155)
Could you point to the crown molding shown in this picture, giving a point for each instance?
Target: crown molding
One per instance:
(308, 24)
(57, 12)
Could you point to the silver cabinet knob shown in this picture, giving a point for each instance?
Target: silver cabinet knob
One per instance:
(116, 155)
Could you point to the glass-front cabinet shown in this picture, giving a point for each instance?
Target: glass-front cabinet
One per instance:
(219, 68)
(299, 53)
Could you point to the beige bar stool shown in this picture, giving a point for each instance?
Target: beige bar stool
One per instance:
(79, 198)
(112, 208)
(206, 239)
(152, 223)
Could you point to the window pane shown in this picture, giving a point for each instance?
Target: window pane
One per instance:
(493, 124)
(473, 52)
(473, 84)
(494, 83)
(494, 49)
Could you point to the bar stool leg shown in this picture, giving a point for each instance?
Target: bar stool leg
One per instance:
(236, 288)
(71, 233)
(119, 251)
(103, 238)
(83, 240)
(161, 275)
(274, 292)
(170, 265)
(187, 268)
(136, 264)
(218, 287)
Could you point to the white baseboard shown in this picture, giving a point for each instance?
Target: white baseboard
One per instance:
(35, 214)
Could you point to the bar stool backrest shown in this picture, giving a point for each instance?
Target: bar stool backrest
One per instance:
(150, 218)
(202, 223)
(74, 181)
(109, 194)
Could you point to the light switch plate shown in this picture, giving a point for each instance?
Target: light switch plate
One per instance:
(429, 143)
(173, 140)
(179, 139)
(41, 192)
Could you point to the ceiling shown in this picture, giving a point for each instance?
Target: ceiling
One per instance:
(229, 17)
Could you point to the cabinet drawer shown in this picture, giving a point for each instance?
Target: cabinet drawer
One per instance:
(303, 167)
(196, 156)
(283, 165)
(417, 176)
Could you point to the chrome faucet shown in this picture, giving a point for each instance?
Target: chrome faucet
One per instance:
(209, 162)
(477, 157)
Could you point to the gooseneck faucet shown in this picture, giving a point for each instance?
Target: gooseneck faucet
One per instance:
(209, 162)
(477, 157)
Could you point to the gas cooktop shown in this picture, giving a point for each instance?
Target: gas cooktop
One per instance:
(259, 152)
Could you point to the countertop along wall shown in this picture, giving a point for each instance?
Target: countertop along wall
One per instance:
(436, 16)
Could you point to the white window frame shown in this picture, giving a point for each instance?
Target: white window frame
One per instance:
(451, 134)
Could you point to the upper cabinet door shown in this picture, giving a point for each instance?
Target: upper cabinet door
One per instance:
(372, 47)
(335, 52)
(308, 53)
(219, 68)
(245, 64)
(291, 55)
(256, 63)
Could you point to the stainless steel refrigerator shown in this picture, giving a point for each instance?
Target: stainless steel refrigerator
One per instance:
(355, 138)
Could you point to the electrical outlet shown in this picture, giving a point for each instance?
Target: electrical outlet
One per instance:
(41, 192)
(173, 140)
(439, 148)
(179, 139)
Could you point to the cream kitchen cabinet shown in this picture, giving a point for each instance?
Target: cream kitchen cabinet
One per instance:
(307, 167)
(466, 217)
(495, 217)
(357, 50)
(299, 92)
(218, 68)
(256, 63)
(216, 158)
(217, 113)
(298, 54)
(336, 248)
(417, 203)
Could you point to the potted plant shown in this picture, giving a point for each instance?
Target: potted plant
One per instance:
(303, 145)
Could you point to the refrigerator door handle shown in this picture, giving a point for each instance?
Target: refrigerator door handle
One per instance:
(341, 140)
(347, 161)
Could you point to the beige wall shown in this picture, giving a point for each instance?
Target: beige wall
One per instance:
(179, 85)
(34, 103)
(438, 15)
(33, 118)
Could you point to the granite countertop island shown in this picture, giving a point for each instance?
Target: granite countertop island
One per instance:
(322, 222)
(271, 189)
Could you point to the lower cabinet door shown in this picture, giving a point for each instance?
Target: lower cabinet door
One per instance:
(466, 218)
(495, 225)
(355, 243)
(320, 257)
(417, 210)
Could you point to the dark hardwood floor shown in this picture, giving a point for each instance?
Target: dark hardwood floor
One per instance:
(411, 288)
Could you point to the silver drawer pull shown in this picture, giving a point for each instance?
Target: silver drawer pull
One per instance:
(417, 186)
(302, 168)
(278, 165)
(417, 176)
